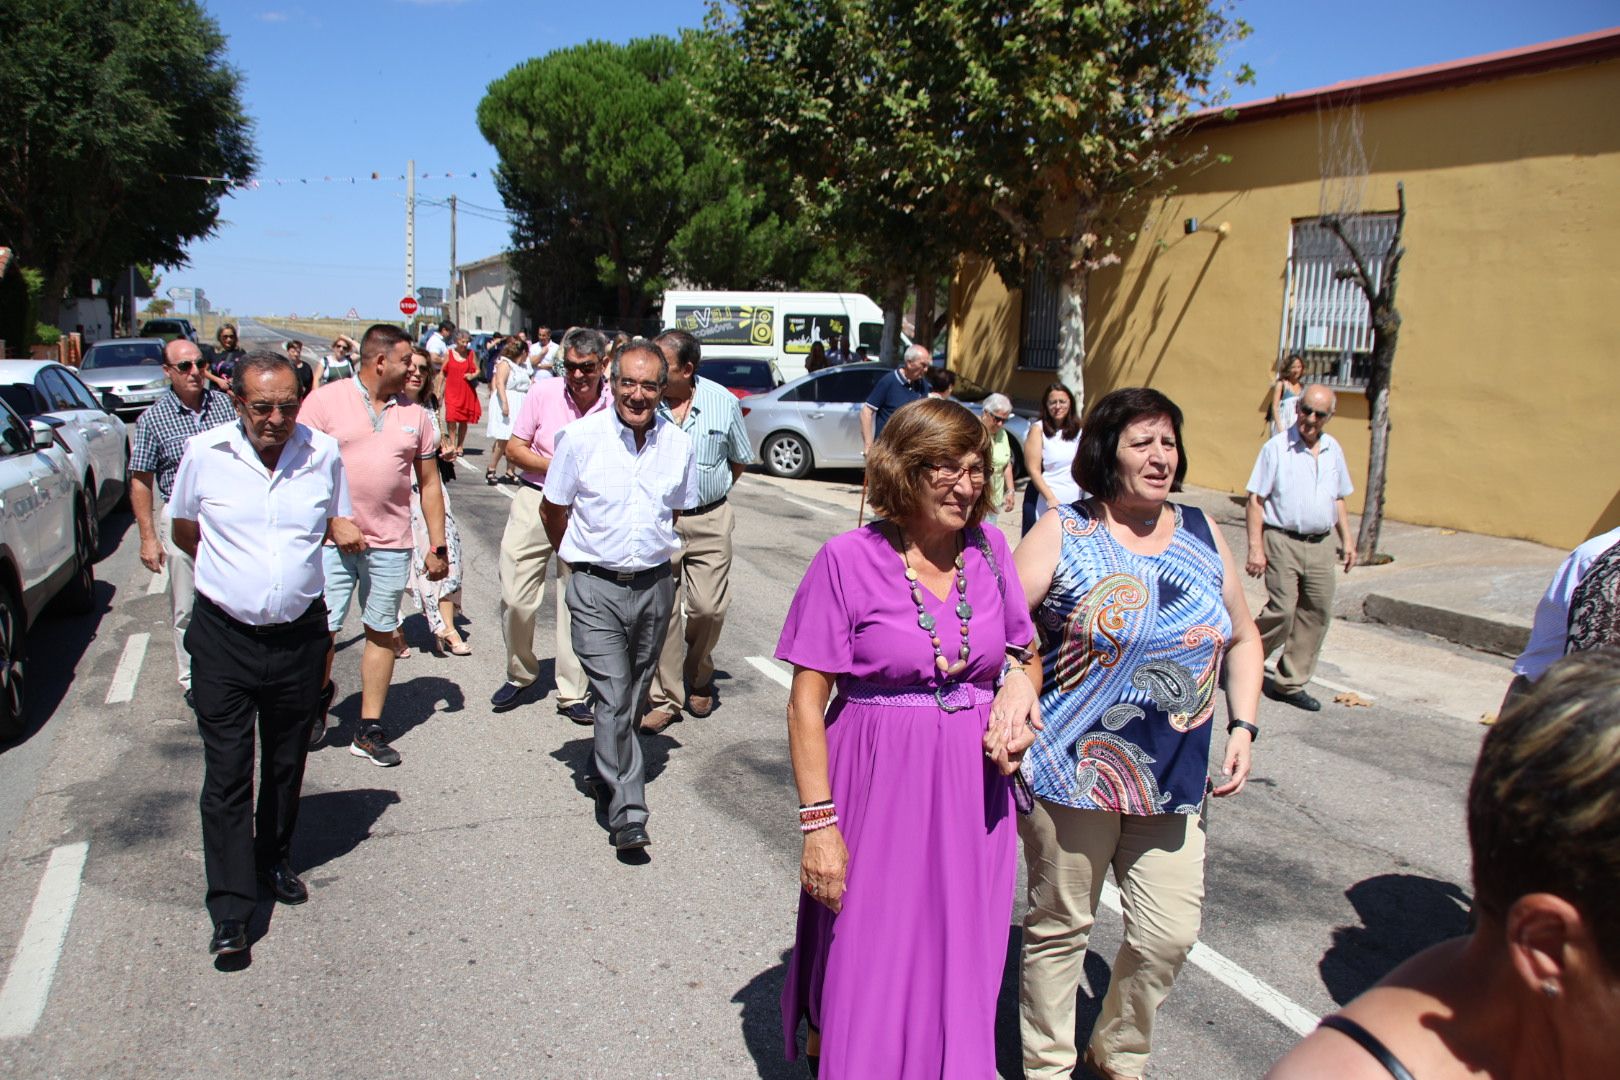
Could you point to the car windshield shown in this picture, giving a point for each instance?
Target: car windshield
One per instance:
(125, 354)
(743, 374)
(19, 397)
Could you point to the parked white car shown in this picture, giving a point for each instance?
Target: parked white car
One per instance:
(95, 440)
(45, 550)
(127, 373)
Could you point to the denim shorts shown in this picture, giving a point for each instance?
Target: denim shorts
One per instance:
(380, 575)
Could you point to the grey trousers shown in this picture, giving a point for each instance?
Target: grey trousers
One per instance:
(618, 632)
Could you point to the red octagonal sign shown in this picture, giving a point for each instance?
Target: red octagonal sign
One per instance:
(407, 306)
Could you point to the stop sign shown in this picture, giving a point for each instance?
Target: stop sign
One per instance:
(407, 306)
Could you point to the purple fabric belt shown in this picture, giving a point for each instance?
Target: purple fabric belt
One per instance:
(951, 697)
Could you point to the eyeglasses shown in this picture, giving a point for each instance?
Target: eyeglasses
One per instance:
(589, 367)
(1320, 414)
(946, 473)
(184, 367)
(624, 386)
(263, 409)
(999, 419)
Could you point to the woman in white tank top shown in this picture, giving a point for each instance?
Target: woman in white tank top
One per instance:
(1049, 450)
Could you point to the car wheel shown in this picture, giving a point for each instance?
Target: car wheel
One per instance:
(13, 640)
(92, 521)
(786, 454)
(123, 503)
(79, 597)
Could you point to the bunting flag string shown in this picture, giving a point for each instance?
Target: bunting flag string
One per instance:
(253, 184)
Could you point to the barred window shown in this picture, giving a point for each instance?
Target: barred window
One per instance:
(1326, 318)
(1039, 348)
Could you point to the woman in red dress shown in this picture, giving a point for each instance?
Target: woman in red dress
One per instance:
(460, 396)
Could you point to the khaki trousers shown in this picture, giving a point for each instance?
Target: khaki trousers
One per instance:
(525, 554)
(1158, 861)
(702, 595)
(182, 591)
(1300, 578)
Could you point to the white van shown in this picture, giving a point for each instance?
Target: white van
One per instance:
(779, 326)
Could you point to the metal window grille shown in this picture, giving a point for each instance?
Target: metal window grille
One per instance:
(1325, 317)
(1040, 347)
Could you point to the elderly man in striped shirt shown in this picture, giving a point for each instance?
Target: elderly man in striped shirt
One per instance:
(710, 415)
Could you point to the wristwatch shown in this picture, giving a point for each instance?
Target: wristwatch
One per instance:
(1254, 732)
(443, 552)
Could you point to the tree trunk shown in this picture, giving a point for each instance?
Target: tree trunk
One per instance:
(1072, 334)
(49, 302)
(894, 300)
(1386, 333)
(926, 288)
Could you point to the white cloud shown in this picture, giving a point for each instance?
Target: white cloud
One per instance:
(273, 16)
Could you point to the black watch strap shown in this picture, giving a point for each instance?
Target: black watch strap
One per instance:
(1254, 732)
(443, 552)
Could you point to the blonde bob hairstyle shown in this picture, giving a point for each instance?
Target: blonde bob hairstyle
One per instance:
(919, 434)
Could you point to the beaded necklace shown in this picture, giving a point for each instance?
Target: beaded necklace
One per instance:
(964, 610)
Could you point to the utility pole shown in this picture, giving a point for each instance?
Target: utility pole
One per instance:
(410, 229)
(454, 306)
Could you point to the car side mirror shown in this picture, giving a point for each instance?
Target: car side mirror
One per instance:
(44, 434)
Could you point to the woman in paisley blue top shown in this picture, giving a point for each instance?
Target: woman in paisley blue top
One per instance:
(1138, 604)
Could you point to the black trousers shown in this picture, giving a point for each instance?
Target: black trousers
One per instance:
(239, 674)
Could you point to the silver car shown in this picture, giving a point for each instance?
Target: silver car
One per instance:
(127, 373)
(814, 422)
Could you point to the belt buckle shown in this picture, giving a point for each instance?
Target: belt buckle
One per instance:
(624, 576)
(939, 698)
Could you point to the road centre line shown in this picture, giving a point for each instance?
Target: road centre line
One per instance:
(159, 582)
(129, 669)
(33, 966)
(504, 491)
(1253, 989)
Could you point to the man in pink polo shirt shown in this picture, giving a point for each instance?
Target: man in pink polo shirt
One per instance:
(386, 441)
(525, 550)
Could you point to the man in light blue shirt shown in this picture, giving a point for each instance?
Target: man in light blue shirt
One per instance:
(709, 413)
(1296, 501)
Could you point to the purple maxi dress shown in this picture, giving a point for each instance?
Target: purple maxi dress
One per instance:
(902, 983)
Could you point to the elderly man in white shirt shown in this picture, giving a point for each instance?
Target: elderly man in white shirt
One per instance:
(252, 503)
(617, 482)
(1296, 501)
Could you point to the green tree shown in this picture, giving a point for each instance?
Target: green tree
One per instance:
(106, 101)
(617, 182)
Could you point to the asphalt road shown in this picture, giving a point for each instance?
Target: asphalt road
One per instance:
(468, 918)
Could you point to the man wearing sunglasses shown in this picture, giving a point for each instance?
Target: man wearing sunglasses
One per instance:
(526, 551)
(1296, 501)
(191, 406)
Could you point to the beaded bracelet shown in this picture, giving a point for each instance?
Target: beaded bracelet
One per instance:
(819, 823)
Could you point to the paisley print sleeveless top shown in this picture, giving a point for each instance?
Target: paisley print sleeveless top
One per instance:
(1131, 648)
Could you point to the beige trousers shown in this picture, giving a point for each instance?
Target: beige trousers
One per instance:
(1300, 578)
(702, 595)
(1158, 861)
(525, 554)
(182, 591)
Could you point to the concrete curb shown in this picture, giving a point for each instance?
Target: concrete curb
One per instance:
(1474, 631)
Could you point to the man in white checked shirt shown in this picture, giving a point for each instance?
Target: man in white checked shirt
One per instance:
(616, 484)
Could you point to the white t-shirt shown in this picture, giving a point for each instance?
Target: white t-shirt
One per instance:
(1551, 628)
(437, 347)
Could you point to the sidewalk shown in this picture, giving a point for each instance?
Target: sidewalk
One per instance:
(1478, 591)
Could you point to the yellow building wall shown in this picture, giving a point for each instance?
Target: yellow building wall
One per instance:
(1505, 402)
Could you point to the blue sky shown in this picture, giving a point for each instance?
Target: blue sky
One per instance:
(348, 88)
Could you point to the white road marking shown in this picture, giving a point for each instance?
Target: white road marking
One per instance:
(808, 506)
(1342, 688)
(33, 966)
(159, 582)
(506, 492)
(129, 669)
(1256, 991)
(771, 671)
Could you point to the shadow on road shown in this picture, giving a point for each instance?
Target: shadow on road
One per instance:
(1401, 915)
(333, 823)
(56, 645)
(411, 703)
(761, 1002)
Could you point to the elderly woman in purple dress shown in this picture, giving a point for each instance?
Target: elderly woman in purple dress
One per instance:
(909, 625)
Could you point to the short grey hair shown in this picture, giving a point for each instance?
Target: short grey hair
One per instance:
(918, 352)
(585, 341)
(641, 345)
(259, 360)
(998, 404)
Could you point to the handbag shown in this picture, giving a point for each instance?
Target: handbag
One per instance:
(1023, 794)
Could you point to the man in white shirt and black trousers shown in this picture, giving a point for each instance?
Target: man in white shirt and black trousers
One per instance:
(617, 481)
(252, 503)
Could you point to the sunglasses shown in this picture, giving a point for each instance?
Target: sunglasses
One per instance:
(587, 368)
(263, 409)
(184, 367)
(1320, 414)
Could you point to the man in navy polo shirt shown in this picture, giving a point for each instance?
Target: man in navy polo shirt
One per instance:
(896, 388)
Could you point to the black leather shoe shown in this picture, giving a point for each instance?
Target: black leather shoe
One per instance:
(632, 837)
(1299, 699)
(230, 936)
(285, 884)
(509, 696)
